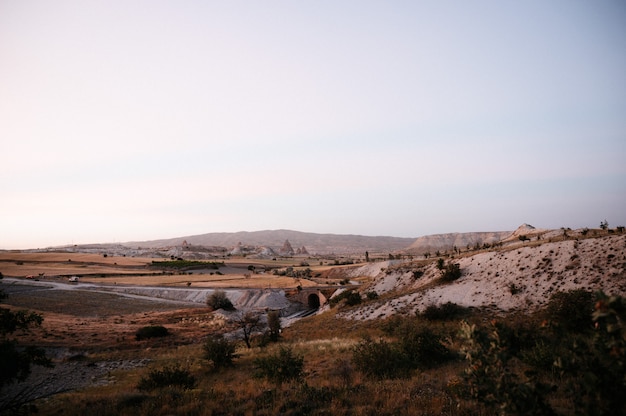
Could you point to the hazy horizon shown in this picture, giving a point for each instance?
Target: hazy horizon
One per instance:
(133, 121)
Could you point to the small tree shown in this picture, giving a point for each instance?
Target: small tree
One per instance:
(440, 263)
(604, 225)
(219, 351)
(249, 322)
(273, 324)
(219, 300)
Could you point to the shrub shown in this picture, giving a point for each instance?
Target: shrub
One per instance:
(451, 272)
(219, 351)
(571, 310)
(490, 377)
(353, 298)
(371, 295)
(417, 274)
(308, 400)
(609, 367)
(446, 312)
(514, 289)
(424, 348)
(280, 367)
(381, 359)
(542, 355)
(219, 300)
(167, 377)
(152, 331)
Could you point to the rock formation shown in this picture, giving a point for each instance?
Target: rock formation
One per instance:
(443, 242)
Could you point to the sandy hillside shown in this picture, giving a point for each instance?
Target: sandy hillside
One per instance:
(522, 278)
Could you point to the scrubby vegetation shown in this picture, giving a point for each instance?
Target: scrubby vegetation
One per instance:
(349, 297)
(449, 361)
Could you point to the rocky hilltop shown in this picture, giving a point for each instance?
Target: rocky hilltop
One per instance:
(445, 242)
(521, 276)
(465, 241)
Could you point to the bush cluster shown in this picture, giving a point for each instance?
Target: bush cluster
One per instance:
(415, 348)
(446, 312)
(571, 310)
(219, 351)
(152, 331)
(583, 362)
(280, 367)
(219, 300)
(451, 272)
(351, 297)
(381, 359)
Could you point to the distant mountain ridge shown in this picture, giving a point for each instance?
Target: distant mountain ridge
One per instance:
(275, 239)
(282, 242)
(315, 243)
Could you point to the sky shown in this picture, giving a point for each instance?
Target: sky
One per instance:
(137, 120)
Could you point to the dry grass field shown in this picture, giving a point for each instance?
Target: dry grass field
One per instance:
(94, 268)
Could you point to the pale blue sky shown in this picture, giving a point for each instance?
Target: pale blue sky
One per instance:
(133, 120)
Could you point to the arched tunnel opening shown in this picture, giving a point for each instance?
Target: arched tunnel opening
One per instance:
(313, 301)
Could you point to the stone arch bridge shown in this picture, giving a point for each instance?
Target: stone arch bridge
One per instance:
(313, 297)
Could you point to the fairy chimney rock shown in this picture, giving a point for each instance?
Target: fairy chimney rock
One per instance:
(287, 250)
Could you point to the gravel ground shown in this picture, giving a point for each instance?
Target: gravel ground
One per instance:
(70, 372)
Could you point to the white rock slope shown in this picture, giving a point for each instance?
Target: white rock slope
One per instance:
(523, 278)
